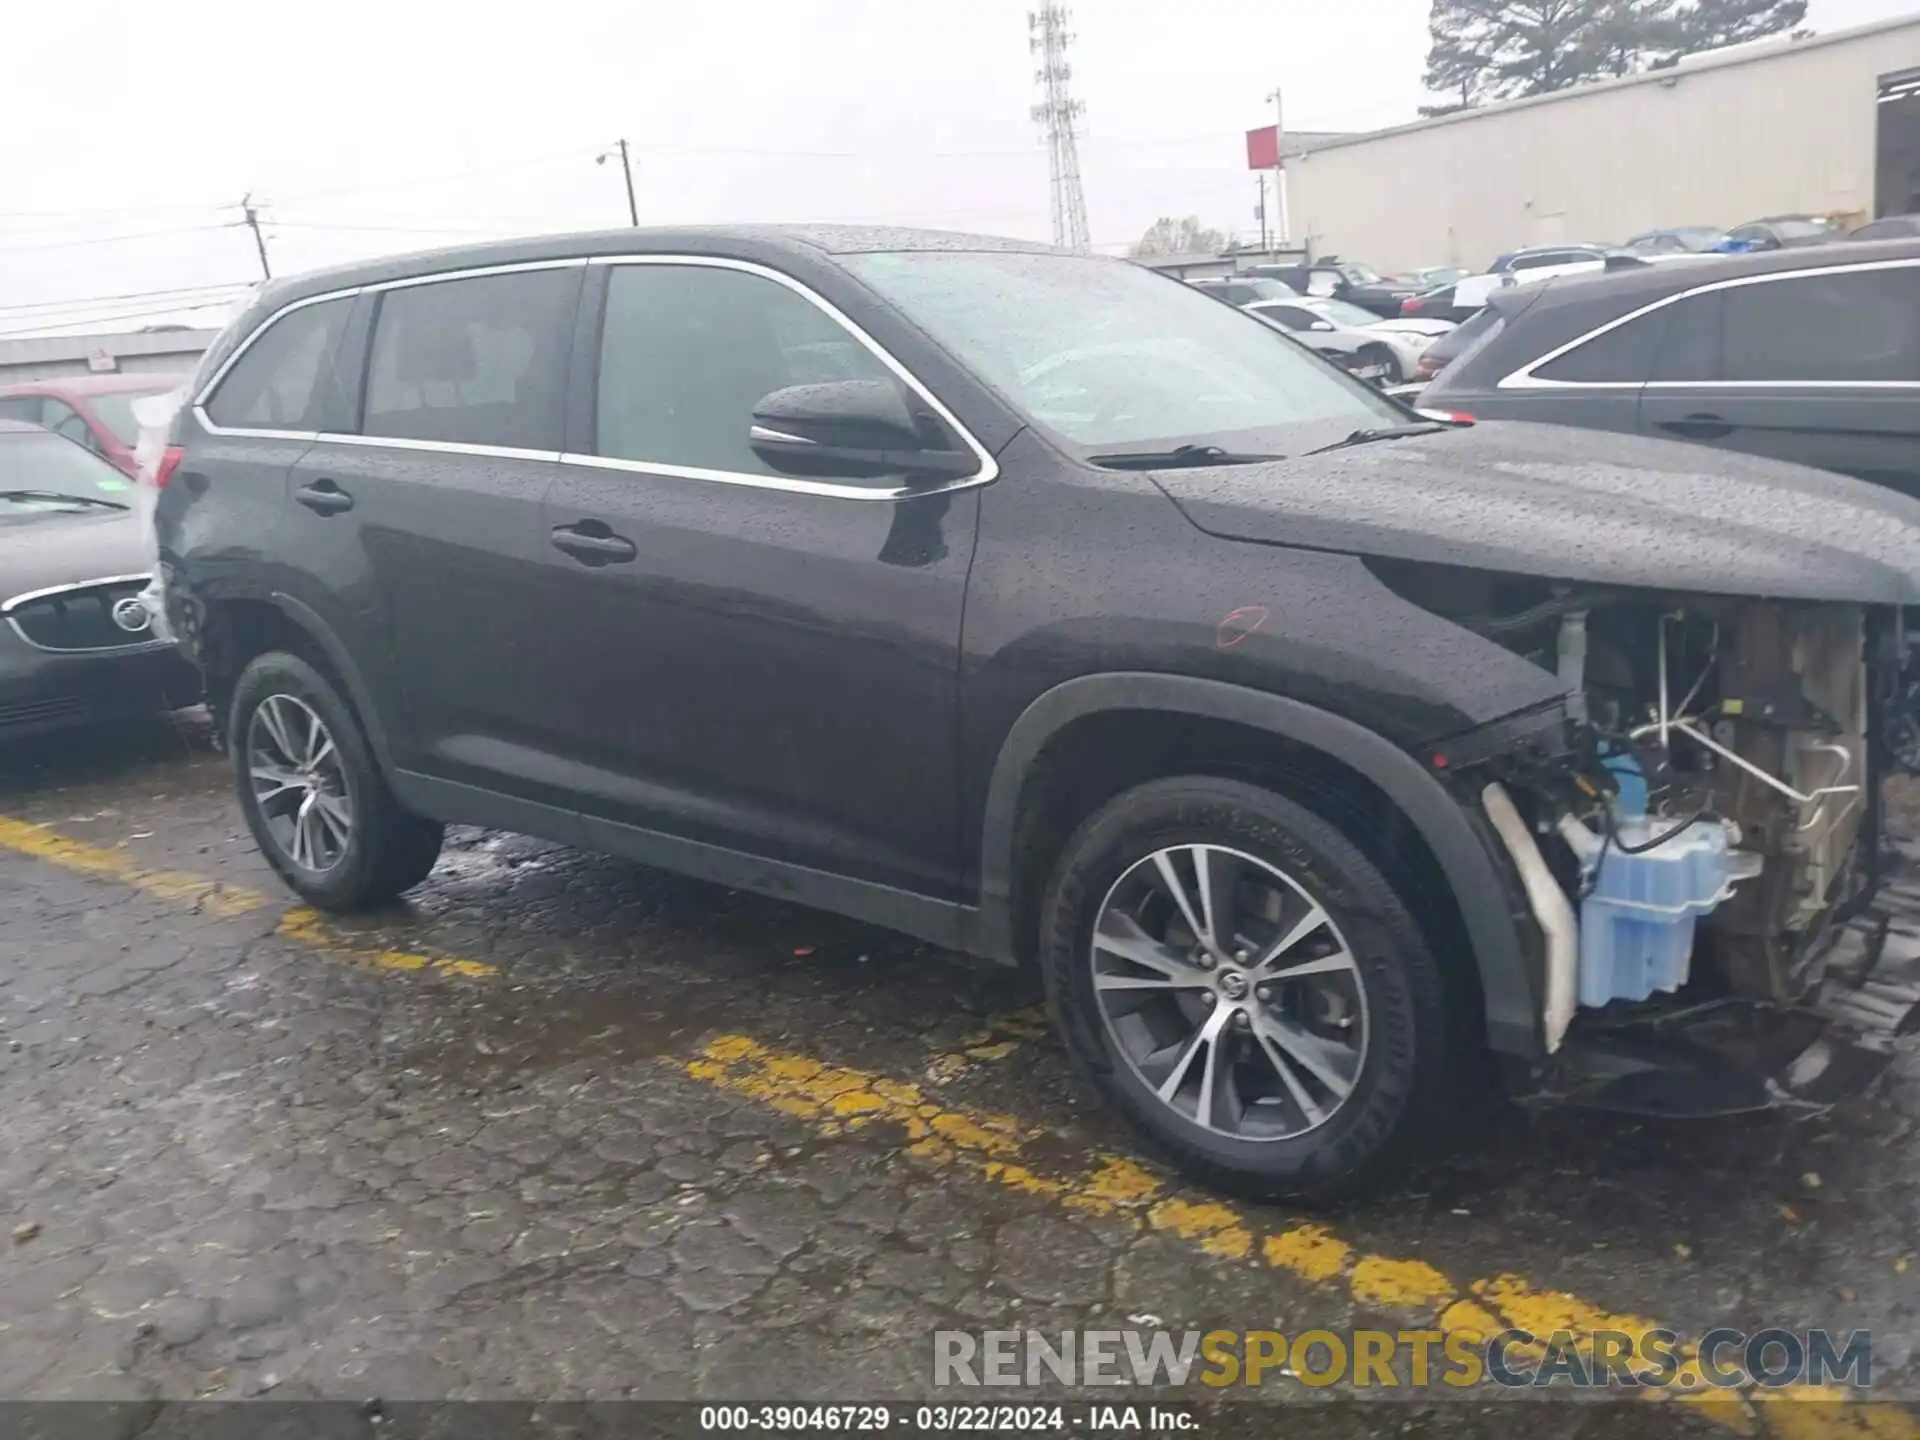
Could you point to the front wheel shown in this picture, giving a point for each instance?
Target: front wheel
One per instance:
(1245, 988)
(315, 800)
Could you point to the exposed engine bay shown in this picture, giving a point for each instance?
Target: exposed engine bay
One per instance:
(1707, 812)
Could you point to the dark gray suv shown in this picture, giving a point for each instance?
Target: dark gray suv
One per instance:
(1044, 608)
(1804, 355)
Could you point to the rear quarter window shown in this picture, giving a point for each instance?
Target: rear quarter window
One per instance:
(284, 378)
(1623, 355)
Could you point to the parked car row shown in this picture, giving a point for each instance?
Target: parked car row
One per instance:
(1803, 354)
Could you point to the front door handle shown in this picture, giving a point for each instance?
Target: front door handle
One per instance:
(323, 497)
(1698, 427)
(592, 543)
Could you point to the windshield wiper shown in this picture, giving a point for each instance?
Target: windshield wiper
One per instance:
(1176, 458)
(1384, 432)
(61, 497)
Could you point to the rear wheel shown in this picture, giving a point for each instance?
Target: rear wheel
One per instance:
(1242, 985)
(314, 798)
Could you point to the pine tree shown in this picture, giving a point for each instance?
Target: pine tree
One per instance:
(1459, 52)
(1487, 50)
(1709, 24)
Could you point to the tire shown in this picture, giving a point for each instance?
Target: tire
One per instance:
(386, 848)
(1406, 1063)
(1380, 355)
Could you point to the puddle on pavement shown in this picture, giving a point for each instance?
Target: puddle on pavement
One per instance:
(492, 1049)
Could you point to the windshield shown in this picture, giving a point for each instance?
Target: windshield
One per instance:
(1356, 274)
(1344, 312)
(1102, 353)
(50, 465)
(116, 413)
(1802, 229)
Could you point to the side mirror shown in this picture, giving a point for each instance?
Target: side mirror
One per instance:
(1321, 325)
(857, 429)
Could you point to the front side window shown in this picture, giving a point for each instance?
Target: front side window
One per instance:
(1294, 317)
(479, 361)
(687, 351)
(1103, 352)
(1345, 312)
(1862, 325)
(284, 380)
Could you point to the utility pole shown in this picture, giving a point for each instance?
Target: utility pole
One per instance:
(1281, 228)
(253, 223)
(1048, 38)
(626, 169)
(1260, 214)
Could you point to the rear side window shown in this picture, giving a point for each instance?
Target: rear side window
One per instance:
(1862, 325)
(283, 380)
(1690, 349)
(1624, 355)
(480, 361)
(688, 350)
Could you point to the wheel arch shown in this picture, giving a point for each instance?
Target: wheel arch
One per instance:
(238, 629)
(1460, 853)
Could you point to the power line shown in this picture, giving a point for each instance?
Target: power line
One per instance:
(82, 302)
(47, 327)
(113, 239)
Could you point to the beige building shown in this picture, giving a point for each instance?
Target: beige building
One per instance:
(46, 357)
(1777, 127)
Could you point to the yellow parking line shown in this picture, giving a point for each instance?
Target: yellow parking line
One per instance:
(220, 899)
(214, 897)
(995, 1040)
(1001, 1149)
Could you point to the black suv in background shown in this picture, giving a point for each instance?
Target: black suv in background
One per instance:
(1043, 609)
(1809, 355)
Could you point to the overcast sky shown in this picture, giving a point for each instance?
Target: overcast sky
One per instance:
(130, 129)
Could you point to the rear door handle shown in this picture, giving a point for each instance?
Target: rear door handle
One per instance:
(592, 543)
(1698, 427)
(323, 497)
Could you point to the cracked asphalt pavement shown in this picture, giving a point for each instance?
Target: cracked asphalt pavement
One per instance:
(562, 1127)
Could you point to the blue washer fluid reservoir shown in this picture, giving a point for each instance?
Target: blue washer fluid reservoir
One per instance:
(1637, 925)
(1632, 782)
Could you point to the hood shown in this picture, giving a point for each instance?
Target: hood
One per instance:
(40, 550)
(1564, 504)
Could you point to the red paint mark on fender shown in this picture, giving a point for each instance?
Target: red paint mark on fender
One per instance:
(1238, 625)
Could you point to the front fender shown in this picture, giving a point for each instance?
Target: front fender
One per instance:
(1508, 974)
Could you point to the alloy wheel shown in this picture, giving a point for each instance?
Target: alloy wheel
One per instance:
(1230, 992)
(298, 783)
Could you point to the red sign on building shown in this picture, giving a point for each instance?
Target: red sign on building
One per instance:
(1263, 147)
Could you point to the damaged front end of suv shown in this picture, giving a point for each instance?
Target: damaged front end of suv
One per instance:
(1698, 830)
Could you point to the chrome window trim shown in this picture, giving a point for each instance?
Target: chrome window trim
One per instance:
(438, 447)
(1525, 379)
(199, 405)
(988, 472)
(27, 598)
(989, 468)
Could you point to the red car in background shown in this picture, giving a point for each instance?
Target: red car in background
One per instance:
(92, 410)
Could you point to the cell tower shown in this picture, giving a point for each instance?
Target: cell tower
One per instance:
(1048, 38)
